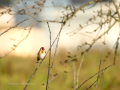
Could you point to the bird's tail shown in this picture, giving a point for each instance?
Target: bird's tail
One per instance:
(37, 62)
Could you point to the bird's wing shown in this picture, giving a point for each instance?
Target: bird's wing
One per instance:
(38, 55)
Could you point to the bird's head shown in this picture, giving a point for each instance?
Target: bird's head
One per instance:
(42, 48)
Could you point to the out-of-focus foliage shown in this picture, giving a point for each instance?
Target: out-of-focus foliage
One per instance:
(15, 72)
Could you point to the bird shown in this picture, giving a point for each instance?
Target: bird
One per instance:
(41, 54)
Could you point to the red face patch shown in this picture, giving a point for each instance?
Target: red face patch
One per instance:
(42, 48)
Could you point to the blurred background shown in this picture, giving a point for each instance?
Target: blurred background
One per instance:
(39, 35)
(18, 66)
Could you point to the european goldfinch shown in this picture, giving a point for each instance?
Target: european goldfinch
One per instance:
(41, 54)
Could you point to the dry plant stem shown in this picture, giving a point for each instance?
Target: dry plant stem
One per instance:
(80, 8)
(117, 45)
(11, 19)
(15, 46)
(90, 20)
(48, 77)
(110, 51)
(95, 80)
(54, 40)
(41, 7)
(116, 8)
(51, 21)
(18, 44)
(98, 76)
(78, 72)
(28, 7)
(56, 47)
(70, 14)
(85, 35)
(94, 42)
(94, 75)
(32, 75)
(58, 36)
(14, 26)
(111, 57)
(74, 75)
(15, 4)
(116, 48)
(100, 37)
(58, 73)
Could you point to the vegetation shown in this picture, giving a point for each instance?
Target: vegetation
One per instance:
(15, 72)
(85, 67)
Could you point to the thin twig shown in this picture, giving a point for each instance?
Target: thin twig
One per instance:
(78, 72)
(56, 47)
(59, 73)
(14, 26)
(93, 76)
(95, 80)
(98, 76)
(49, 59)
(74, 75)
(32, 75)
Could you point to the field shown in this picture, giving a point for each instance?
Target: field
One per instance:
(15, 72)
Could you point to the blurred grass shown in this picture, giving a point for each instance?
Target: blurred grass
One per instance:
(16, 71)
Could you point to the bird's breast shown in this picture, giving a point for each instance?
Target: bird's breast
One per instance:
(42, 55)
